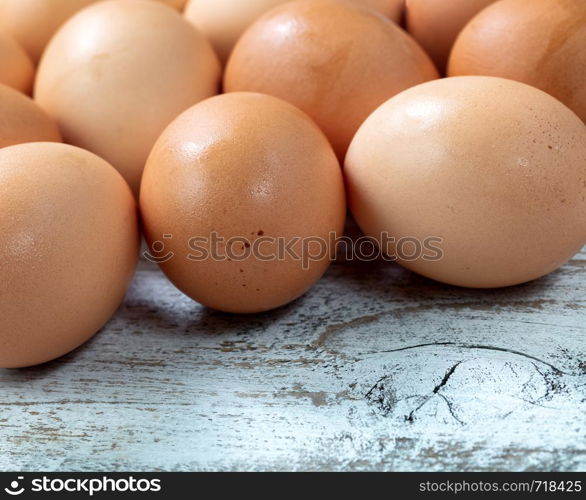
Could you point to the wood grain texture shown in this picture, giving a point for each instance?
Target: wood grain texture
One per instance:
(374, 369)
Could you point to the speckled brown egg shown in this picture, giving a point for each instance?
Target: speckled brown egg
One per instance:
(223, 21)
(242, 199)
(33, 22)
(435, 24)
(336, 61)
(22, 120)
(118, 72)
(472, 181)
(68, 247)
(16, 69)
(538, 42)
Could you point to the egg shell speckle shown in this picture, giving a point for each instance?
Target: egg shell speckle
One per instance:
(245, 166)
(493, 167)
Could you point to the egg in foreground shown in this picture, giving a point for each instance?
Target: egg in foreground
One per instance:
(242, 199)
(483, 178)
(336, 61)
(538, 42)
(118, 72)
(68, 244)
(22, 120)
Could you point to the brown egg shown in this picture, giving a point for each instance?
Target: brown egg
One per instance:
(33, 22)
(231, 185)
(22, 120)
(480, 181)
(117, 73)
(16, 69)
(435, 24)
(538, 42)
(223, 21)
(68, 247)
(393, 9)
(335, 60)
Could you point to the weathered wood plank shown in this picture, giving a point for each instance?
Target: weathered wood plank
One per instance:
(374, 369)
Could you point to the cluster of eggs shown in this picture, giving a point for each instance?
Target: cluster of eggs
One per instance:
(110, 105)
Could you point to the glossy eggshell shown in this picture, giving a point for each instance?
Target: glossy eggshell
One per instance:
(493, 167)
(22, 120)
(223, 21)
(118, 73)
(68, 245)
(16, 69)
(435, 24)
(33, 22)
(248, 166)
(538, 42)
(334, 60)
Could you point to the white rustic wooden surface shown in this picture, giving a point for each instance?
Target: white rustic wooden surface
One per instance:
(374, 369)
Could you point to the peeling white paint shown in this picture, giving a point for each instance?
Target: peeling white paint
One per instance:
(375, 369)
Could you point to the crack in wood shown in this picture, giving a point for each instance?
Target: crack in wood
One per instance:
(386, 398)
(451, 409)
(478, 305)
(411, 417)
(481, 347)
(261, 393)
